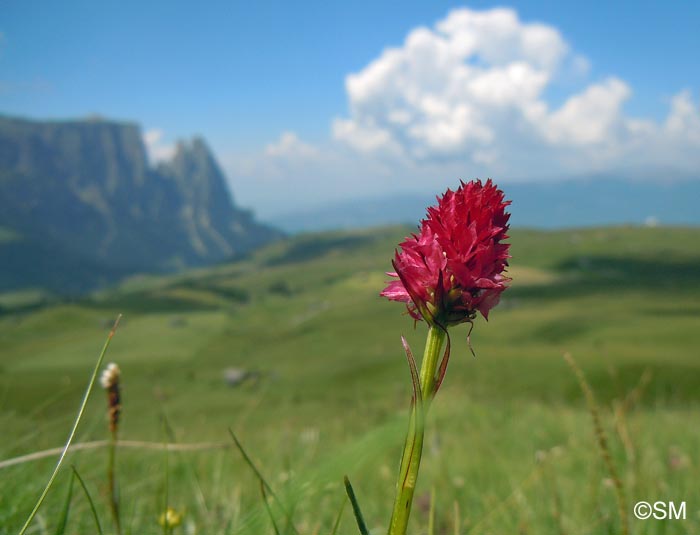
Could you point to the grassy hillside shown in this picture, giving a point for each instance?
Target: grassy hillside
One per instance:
(510, 443)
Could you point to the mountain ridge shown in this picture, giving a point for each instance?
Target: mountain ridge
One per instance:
(85, 191)
(572, 202)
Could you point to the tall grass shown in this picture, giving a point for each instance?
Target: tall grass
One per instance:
(79, 417)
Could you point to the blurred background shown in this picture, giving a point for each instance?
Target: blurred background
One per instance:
(234, 178)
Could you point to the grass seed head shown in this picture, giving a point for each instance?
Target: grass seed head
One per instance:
(110, 382)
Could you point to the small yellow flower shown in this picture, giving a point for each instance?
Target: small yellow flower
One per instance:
(170, 518)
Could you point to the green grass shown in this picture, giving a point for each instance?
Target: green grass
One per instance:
(509, 438)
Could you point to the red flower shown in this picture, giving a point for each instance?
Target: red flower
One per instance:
(453, 267)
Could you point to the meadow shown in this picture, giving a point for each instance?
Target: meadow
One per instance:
(511, 447)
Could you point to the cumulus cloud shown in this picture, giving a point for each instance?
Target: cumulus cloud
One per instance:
(156, 146)
(590, 117)
(451, 88)
(684, 118)
(473, 89)
(470, 96)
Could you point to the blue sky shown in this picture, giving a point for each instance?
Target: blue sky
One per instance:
(265, 84)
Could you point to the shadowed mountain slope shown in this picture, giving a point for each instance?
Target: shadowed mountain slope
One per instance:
(84, 206)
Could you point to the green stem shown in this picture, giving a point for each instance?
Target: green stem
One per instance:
(114, 497)
(73, 430)
(410, 461)
(431, 356)
(166, 523)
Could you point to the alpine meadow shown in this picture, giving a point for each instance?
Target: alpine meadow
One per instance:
(349, 268)
(321, 388)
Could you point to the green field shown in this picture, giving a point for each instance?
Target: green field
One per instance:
(510, 445)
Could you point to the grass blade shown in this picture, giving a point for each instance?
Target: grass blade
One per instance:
(95, 444)
(89, 498)
(267, 508)
(356, 508)
(112, 482)
(602, 440)
(63, 520)
(336, 525)
(192, 472)
(260, 477)
(81, 411)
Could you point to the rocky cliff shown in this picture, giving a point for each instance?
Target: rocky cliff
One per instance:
(80, 206)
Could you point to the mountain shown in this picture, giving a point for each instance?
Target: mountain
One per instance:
(575, 202)
(81, 206)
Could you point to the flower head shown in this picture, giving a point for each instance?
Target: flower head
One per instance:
(110, 382)
(454, 266)
(110, 376)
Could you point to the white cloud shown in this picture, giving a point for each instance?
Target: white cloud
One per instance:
(473, 88)
(368, 137)
(498, 37)
(590, 117)
(157, 148)
(290, 146)
(684, 118)
(446, 89)
(470, 97)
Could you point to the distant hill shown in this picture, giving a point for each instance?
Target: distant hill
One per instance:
(324, 386)
(580, 202)
(81, 206)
